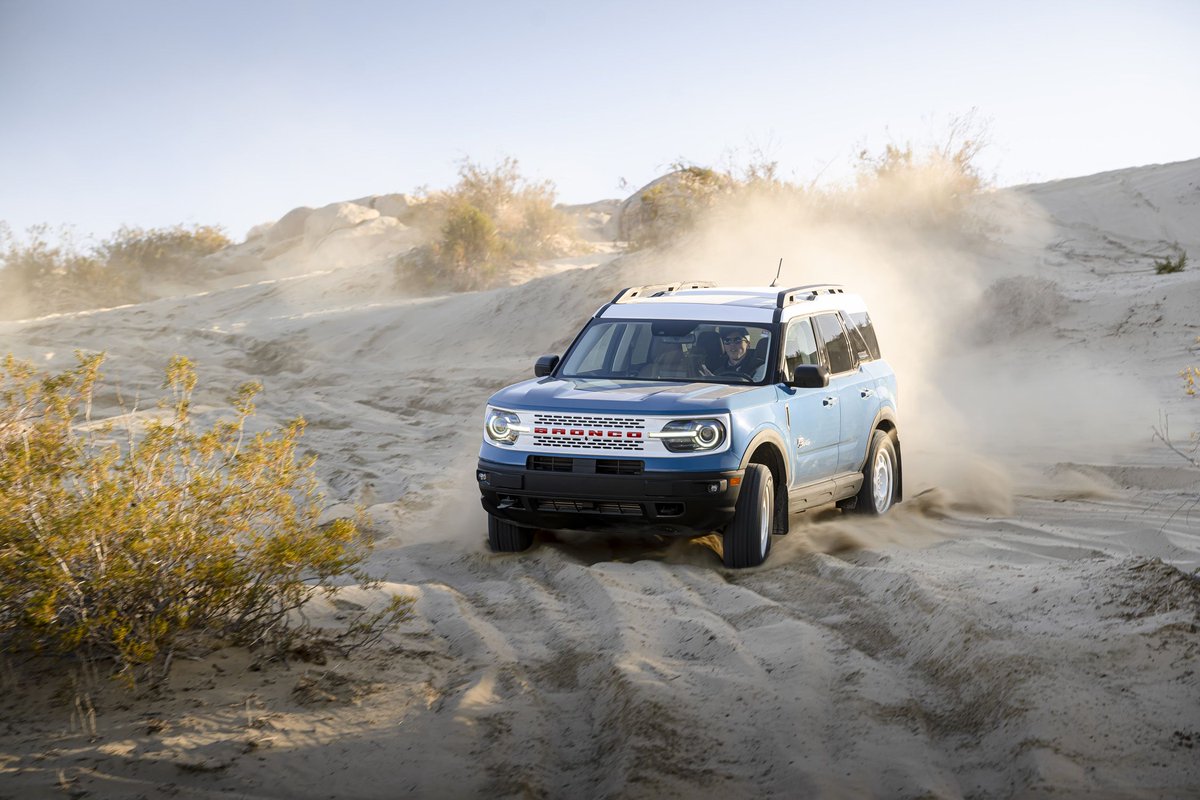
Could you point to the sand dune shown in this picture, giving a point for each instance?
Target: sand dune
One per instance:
(1025, 624)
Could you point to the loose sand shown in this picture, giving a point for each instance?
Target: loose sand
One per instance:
(1023, 625)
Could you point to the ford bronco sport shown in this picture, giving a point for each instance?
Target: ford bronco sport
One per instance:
(685, 409)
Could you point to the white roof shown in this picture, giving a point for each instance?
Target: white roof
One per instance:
(727, 304)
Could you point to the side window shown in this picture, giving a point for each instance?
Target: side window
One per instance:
(799, 346)
(861, 324)
(837, 345)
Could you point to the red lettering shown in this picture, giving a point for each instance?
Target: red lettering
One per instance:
(595, 433)
(633, 434)
(615, 434)
(558, 431)
(577, 432)
(540, 430)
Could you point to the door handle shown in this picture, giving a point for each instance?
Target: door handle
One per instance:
(867, 392)
(829, 401)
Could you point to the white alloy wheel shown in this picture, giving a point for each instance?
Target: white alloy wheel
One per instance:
(883, 488)
(880, 476)
(764, 535)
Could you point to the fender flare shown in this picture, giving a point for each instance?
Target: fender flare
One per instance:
(772, 436)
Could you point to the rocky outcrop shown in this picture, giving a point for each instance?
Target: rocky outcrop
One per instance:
(335, 217)
(289, 226)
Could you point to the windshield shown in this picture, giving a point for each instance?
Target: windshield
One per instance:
(670, 350)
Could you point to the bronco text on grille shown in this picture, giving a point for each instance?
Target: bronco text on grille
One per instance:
(600, 433)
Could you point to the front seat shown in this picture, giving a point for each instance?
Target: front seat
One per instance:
(708, 345)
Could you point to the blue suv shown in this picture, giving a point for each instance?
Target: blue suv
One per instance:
(685, 409)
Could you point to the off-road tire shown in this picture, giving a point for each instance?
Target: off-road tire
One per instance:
(747, 538)
(878, 492)
(504, 537)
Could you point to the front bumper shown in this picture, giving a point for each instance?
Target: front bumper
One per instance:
(673, 503)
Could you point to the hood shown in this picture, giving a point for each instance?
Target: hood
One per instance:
(626, 397)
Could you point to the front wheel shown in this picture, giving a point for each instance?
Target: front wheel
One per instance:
(504, 537)
(747, 539)
(878, 491)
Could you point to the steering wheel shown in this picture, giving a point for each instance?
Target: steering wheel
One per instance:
(732, 373)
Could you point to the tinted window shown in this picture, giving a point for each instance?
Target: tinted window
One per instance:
(600, 348)
(837, 346)
(800, 346)
(670, 350)
(862, 325)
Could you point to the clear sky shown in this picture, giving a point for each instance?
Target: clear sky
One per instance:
(155, 112)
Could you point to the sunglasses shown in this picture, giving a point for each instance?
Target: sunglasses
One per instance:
(736, 339)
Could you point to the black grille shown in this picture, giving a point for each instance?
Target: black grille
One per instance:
(601, 466)
(549, 463)
(607, 507)
(619, 466)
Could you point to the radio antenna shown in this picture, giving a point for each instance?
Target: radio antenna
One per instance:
(777, 273)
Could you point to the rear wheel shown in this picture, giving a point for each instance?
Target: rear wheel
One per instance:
(878, 490)
(504, 537)
(747, 539)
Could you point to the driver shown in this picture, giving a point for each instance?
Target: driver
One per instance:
(735, 354)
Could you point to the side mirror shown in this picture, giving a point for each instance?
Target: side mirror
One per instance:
(810, 376)
(544, 366)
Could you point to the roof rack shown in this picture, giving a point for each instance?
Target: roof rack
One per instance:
(658, 290)
(799, 294)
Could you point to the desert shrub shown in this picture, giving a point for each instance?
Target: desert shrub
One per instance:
(128, 547)
(926, 186)
(1169, 266)
(1189, 452)
(491, 220)
(674, 204)
(48, 271)
(465, 256)
(903, 186)
(161, 252)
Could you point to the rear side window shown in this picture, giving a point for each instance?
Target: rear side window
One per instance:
(800, 345)
(862, 325)
(837, 345)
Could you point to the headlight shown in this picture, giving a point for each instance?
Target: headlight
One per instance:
(502, 427)
(691, 435)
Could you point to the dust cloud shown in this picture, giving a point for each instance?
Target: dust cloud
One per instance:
(976, 402)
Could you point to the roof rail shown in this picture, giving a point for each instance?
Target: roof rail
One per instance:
(658, 290)
(799, 294)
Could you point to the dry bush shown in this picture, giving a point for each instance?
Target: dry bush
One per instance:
(465, 256)
(674, 204)
(481, 228)
(161, 252)
(925, 187)
(905, 187)
(129, 547)
(1189, 452)
(47, 271)
(1169, 266)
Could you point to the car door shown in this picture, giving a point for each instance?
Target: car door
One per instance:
(851, 387)
(814, 424)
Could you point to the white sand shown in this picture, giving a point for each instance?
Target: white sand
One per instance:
(1006, 632)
